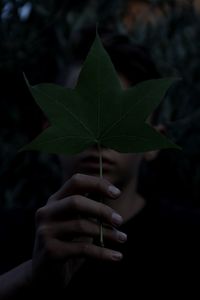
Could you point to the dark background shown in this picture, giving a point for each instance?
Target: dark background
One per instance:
(37, 37)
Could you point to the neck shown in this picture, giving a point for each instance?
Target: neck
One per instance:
(129, 203)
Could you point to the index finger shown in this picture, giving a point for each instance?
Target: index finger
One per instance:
(82, 184)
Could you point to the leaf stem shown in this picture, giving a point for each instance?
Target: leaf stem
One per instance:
(101, 200)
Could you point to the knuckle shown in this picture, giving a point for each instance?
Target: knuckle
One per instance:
(40, 215)
(98, 253)
(49, 250)
(85, 249)
(105, 182)
(98, 183)
(74, 202)
(80, 226)
(105, 212)
(76, 178)
(102, 211)
(101, 254)
(52, 198)
(43, 232)
(101, 184)
(112, 234)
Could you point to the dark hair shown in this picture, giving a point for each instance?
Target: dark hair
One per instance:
(130, 59)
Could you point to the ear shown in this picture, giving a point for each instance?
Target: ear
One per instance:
(151, 155)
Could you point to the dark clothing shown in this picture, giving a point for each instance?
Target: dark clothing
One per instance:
(161, 256)
(17, 228)
(127, 276)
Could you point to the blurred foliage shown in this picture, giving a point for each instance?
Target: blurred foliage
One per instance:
(37, 37)
(173, 41)
(31, 29)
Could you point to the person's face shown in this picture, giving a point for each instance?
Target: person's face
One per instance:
(118, 168)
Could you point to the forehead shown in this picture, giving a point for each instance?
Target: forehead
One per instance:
(70, 78)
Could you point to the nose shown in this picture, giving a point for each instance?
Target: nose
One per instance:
(95, 148)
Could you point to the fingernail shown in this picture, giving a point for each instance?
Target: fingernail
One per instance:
(114, 191)
(116, 255)
(117, 219)
(122, 237)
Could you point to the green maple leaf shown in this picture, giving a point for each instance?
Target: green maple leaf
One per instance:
(99, 111)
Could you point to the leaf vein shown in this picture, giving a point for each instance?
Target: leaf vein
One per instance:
(65, 108)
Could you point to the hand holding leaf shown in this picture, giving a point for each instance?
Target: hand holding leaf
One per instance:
(98, 111)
